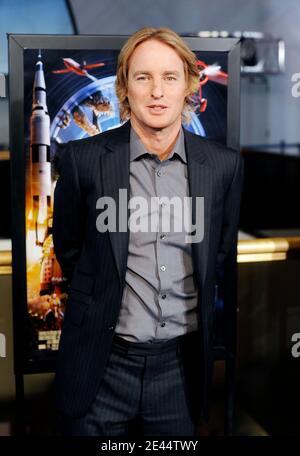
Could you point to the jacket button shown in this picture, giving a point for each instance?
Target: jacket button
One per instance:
(111, 328)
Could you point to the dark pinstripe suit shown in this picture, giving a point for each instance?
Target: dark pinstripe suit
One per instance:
(95, 262)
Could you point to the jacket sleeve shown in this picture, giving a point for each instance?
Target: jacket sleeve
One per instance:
(68, 214)
(227, 253)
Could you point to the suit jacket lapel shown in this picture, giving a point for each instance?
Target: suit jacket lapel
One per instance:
(200, 184)
(115, 176)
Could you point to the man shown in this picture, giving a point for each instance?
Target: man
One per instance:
(137, 336)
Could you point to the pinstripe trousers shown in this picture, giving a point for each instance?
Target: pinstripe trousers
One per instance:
(147, 389)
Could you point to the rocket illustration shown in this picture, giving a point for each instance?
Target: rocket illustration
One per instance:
(40, 150)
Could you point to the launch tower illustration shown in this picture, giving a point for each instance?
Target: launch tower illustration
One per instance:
(40, 151)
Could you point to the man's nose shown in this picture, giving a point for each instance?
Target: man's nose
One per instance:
(157, 89)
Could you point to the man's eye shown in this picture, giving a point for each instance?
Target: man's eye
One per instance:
(142, 78)
(171, 78)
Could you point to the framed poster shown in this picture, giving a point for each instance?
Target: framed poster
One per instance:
(63, 88)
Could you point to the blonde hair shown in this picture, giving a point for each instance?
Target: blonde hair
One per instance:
(166, 36)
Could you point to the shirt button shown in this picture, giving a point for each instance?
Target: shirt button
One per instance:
(163, 268)
(163, 324)
(163, 236)
(159, 173)
(163, 296)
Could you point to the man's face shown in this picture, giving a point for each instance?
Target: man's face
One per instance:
(156, 85)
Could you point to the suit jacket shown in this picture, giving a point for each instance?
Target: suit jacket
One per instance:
(95, 263)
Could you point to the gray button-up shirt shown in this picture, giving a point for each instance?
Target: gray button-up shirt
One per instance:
(160, 298)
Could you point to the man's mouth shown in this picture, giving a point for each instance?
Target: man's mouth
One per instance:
(157, 107)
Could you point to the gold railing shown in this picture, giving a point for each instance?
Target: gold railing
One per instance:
(4, 155)
(5, 262)
(249, 251)
(267, 249)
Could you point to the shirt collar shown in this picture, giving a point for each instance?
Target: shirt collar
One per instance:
(137, 148)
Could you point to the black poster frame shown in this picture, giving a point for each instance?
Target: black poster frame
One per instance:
(18, 43)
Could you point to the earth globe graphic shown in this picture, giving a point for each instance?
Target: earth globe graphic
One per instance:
(94, 109)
